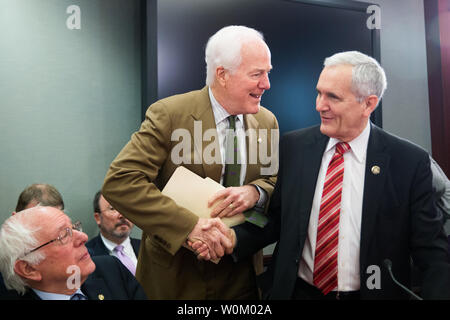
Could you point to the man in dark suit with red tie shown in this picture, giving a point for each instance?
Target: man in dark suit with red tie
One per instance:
(349, 196)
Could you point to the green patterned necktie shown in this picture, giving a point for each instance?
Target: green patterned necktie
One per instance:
(232, 175)
(232, 165)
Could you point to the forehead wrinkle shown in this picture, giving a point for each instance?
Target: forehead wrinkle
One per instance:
(54, 222)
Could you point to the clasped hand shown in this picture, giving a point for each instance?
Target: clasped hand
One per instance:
(211, 238)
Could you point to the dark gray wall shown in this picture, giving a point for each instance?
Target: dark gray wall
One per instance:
(403, 55)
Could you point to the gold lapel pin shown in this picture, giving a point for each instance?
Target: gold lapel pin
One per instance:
(101, 297)
(376, 170)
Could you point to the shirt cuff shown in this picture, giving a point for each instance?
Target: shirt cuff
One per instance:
(262, 197)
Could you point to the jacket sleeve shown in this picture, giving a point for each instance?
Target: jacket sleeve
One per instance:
(130, 183)
(428, 242)
(269, 172)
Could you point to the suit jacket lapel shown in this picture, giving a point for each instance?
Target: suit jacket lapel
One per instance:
(204, 115)
(96, 289)
(100, 248)
(374, 181)
(251, 141)
(135, 243)
(310, 168)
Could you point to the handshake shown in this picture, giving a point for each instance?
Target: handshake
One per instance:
(211, 239)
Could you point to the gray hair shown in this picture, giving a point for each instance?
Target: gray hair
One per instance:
(17, 237)
(224, 48)
(368, 77)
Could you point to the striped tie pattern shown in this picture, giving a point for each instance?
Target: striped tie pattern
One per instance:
(325, 261)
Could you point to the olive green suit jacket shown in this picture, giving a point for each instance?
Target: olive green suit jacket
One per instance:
(140, 171)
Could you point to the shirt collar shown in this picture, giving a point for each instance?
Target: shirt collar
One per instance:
(54, 296)
(358, 145)
(220, 114)
(111, 245)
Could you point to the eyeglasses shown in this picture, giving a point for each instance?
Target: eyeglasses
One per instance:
(64, 236)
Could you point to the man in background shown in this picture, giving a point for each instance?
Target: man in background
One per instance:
(114, 238)
(441, 188)
(39, 193)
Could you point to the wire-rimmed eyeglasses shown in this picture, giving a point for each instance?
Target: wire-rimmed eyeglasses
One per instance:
(63, 237)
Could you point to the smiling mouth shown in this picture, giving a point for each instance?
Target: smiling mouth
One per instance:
(326, 118)
(256, 96)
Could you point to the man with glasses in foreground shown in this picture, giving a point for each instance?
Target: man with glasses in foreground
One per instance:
(43, 194)
(43, 257)
(114, 238)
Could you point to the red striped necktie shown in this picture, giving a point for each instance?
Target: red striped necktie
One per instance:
(325, 261)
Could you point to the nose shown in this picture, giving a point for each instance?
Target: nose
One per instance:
(265, 83)
(79, 238)
(321, 104)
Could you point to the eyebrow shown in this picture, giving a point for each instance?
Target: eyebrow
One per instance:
(261, 69)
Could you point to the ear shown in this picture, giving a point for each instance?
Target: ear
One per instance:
(371, 103)
(221, 76)
(97, 218)
(27, 271)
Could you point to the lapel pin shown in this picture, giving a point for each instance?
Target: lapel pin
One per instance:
(376, 170)
(101, 297)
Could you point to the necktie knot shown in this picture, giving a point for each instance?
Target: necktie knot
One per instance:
(126, 260)
(232, 122)
(342, 147)
(78, 296)
(119, 248)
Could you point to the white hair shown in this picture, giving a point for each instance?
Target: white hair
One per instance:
(224, 48)
(17, 237)
(368, 77)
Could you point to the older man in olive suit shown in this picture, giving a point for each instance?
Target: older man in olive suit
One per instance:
(238, 63)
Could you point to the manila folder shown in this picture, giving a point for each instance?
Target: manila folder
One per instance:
(192, 192)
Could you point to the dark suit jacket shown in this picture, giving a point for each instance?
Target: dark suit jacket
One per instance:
(3, 289)
(96, 247)
(111, 280)
(399, 217)
(132, 185)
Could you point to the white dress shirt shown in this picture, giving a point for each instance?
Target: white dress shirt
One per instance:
(127, 248)
(54, 296)
(222, 124)
(350, 214)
